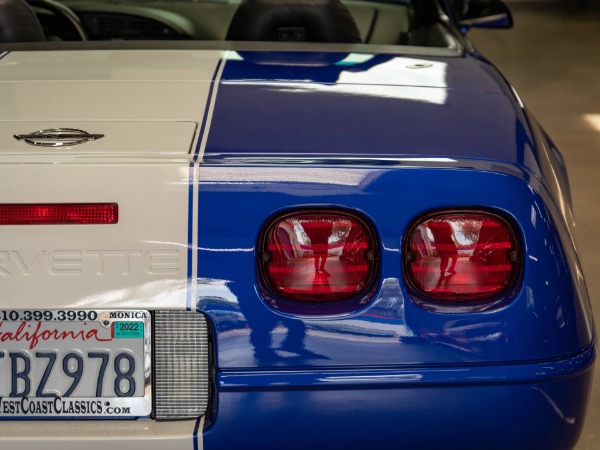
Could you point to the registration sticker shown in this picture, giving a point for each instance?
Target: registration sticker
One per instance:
(133, 330)
(75, 364)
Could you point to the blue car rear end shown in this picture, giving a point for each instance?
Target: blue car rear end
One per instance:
(394, 369)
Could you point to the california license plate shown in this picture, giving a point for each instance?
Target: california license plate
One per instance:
(75, 364)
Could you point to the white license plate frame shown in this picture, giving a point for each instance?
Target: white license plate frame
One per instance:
(116, 339)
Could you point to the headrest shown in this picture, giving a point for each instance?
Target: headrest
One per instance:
(18, 23)
(293, 20)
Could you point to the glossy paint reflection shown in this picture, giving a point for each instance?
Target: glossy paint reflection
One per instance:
(391, 328)
(370, 106)
(474, 400)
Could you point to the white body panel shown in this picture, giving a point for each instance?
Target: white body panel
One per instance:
(106, 85)
(92, 435)
(149, 106)
(140, 262)
(121, 139)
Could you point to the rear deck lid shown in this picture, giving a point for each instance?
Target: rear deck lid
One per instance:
(156, 139)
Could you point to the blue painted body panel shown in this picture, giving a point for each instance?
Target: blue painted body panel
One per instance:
(548, 317)
(458, 107)
(466, 408)
(371, 137)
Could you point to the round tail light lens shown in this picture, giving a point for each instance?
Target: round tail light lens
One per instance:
(318, 256)
(461, 257)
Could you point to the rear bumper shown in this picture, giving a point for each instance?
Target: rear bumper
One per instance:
(520, 406)
(100, 435)
(538, 405)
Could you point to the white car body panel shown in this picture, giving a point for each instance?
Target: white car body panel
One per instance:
(106, 85)
(100, 435)
(121, 139)
(149, 106)
(140, 262)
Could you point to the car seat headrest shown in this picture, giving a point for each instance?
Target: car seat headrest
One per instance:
(18, 23)
(293, 20)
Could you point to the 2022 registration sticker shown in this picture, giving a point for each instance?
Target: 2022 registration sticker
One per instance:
(75, 364)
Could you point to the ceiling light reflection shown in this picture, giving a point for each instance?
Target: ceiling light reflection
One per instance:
(593, 120)
(244, 175)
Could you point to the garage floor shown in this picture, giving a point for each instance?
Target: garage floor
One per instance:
(552, 58)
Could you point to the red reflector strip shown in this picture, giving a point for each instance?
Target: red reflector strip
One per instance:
(279, 269)
(497, 268)
(319, 289)
(59, 214)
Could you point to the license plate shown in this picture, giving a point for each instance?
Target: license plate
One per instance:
(75, 364)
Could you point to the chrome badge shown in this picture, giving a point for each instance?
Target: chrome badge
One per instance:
(58, 137)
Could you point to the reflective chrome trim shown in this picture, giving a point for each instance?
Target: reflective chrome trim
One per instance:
(58, 137)
(360, 161)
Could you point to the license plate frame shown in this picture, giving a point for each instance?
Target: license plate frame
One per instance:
(125, 336)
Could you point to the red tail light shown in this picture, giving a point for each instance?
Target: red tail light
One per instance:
(462, 256)
(318, 256)
(59, 213)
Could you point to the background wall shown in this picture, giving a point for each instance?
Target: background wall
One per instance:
(552, 58)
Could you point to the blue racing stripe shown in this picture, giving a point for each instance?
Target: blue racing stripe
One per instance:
(190, 241)
(206, 110)
(196, 428)
(203, 130)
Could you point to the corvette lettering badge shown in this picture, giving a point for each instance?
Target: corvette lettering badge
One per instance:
(58, 137)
